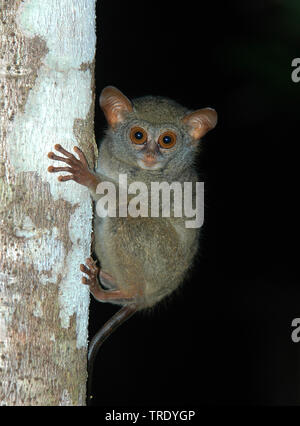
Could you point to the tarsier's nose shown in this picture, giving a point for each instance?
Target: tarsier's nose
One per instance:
(150, 158)
(152, 149)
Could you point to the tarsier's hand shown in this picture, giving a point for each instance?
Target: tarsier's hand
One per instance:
(79, 169)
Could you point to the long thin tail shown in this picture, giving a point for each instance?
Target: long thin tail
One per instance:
(108, 328)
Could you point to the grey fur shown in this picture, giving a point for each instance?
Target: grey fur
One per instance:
(148, 257)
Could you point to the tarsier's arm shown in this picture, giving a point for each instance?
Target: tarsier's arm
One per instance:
(80, 173)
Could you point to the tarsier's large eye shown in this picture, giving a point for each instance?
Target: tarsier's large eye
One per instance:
(167, 139)
(138, 135)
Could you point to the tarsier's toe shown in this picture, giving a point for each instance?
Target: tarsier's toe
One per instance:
(84, 269)
(92, 272)
(92, 265)
(85, 281)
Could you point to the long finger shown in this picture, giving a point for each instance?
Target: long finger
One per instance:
(59, 148)
(52, 169)
(53, 156)
(64, 178)
(81, 155)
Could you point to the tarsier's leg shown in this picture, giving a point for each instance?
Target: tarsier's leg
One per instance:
(111, 295)
(107, 281)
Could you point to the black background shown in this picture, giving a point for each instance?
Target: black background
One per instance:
(225, 337)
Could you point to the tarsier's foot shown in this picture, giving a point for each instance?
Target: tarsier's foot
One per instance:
(110, 295)
(92, 271)
(107, 281)
(78, 168)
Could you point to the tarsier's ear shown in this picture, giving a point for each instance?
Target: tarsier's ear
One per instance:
(200, 122)
(114, 104)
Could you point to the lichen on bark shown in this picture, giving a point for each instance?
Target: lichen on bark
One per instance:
(45, 228)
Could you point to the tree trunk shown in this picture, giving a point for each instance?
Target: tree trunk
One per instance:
(47, 97)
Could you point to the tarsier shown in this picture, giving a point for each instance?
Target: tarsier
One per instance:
(142, 259)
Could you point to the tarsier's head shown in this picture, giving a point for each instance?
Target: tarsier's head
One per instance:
(153, 133)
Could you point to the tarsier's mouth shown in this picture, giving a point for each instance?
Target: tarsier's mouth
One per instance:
(149, 161)
(149, 165)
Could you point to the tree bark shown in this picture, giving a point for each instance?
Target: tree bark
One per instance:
(47, 97)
